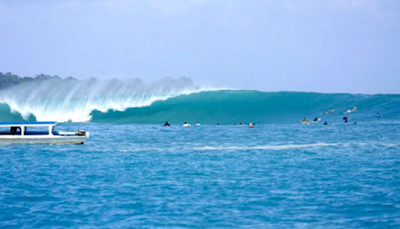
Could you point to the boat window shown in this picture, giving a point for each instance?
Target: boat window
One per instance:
(14, 130)
(54, 131)
(36, 130)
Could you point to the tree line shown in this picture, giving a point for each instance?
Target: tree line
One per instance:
(9, 79)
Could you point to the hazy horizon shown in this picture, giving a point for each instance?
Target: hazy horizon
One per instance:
(313, 46)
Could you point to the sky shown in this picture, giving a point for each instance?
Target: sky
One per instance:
(270, 45)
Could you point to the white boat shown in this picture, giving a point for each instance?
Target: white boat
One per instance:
(38, 133)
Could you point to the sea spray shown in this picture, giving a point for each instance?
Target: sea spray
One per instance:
(73, 100)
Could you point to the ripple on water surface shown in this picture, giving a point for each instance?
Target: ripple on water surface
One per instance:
(207, 176)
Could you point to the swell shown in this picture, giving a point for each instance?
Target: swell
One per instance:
(233, 106)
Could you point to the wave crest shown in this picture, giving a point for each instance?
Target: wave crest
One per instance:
(74, 100)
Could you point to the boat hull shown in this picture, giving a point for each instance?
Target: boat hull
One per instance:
(54, 140)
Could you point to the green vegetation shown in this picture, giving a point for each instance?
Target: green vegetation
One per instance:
(9, 79)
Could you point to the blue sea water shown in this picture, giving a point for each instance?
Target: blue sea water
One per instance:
(271, 176)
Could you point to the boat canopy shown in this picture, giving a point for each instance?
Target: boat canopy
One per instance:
(9, 124)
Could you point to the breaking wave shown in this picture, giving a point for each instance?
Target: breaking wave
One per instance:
(178, 101)
(234, 106)
(74, 100)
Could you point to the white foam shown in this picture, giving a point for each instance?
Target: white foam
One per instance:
(263, 147)
(74, 100)
(298, 146)
(271, 147)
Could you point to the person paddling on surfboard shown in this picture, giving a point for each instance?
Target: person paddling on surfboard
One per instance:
(305, 121)
(329, 111)
(348, 111)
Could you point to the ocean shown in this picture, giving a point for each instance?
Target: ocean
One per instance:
(135, 173)
(146, 175)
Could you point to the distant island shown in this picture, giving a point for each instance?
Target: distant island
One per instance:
(9, 79)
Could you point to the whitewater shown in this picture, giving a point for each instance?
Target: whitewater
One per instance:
(73, 100)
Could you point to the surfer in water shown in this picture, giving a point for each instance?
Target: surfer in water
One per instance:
(378, 116)
(325, 123)
(316, 119)
(345, 119)
(329, 111)
(305, 121)
(251, 125)
(198, 124)
(350, 111)
(166, 124)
